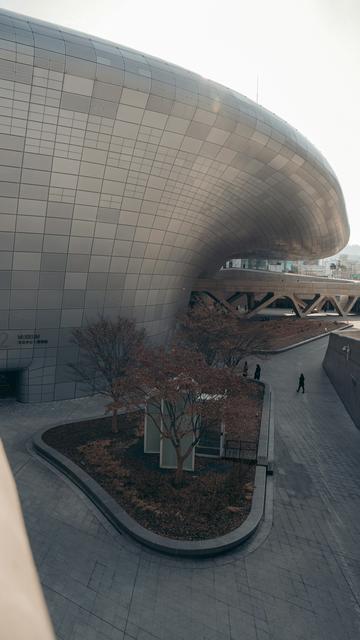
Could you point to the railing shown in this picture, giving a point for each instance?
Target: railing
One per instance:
(209, 445)
(234, 449)
(241, 450)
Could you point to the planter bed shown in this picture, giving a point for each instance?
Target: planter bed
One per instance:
(214, 500)
(284, 332)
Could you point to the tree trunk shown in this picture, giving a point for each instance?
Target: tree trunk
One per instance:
(114, 421)
(179, 469)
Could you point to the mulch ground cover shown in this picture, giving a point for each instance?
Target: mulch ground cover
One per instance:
(283, 332)
(214, 499)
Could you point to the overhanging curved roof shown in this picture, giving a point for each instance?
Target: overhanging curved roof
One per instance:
(122, 179)
(229, 174)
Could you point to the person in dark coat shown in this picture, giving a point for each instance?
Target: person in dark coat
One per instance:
(301, 383)
(257, 372)
(245, 369)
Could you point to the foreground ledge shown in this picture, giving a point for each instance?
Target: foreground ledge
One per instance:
(121, 520)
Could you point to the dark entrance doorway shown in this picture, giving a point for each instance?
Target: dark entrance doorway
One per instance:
(8, 384)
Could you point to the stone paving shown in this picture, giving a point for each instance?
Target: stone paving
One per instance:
(301, 582)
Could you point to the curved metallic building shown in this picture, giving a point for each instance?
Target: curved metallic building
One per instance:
(123, 178)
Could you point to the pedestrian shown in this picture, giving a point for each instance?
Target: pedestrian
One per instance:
(245, 369)
(301, 383)
(257, 372)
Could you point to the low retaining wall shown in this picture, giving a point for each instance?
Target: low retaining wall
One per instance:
(265, 453)
(342, 365)
(303, 342)
(123, 522)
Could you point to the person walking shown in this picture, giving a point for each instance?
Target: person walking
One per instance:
(301, 383)
(245, 369)
(257, 372)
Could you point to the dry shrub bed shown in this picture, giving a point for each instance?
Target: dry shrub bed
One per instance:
(215, 499)
(248, 425)
(283, 332)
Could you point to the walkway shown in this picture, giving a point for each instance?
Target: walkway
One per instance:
(257, 290)
(302, 583)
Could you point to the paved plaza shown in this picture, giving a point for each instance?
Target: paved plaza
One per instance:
(299, 582)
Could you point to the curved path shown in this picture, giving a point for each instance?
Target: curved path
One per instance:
(300, 583)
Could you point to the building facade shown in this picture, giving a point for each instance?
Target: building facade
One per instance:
(123, 178)
(342, 365)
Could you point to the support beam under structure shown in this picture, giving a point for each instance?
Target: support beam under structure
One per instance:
(352, 300)
(295, 302)
(300, 302)
(234, 298)
(337, 305)
(261, 288)
(318, 301)
(239, 303)
(271, 297)
(215, 298)
(268, 299)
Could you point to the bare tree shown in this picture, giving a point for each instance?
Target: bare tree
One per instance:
(109, 349)
(220, 335)
(201, 328)
(181, 394)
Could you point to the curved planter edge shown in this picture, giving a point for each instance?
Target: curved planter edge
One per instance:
(300, 344)
(121, 520)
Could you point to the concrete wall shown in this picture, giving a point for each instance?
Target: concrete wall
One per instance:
(342, 365)
(23, 612)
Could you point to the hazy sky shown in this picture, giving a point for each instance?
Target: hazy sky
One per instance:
(306, 54)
